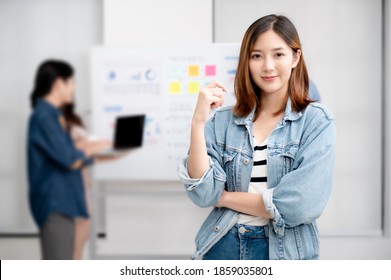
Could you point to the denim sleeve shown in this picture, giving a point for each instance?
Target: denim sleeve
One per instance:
(52, 141)
(206, 191)
(302, 194)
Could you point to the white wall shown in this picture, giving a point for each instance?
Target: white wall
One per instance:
(157, 23)
(373, 247)
(30, 32)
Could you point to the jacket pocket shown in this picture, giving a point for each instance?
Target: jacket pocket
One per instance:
(309, 241)
(229, 161)
(289, 155)
(298, 243)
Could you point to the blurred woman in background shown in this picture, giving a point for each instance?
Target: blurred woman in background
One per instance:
(87, 143)
(56, 192)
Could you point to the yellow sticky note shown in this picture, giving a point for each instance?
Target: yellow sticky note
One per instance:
(193, 70)
(193, 87)
(175, 88)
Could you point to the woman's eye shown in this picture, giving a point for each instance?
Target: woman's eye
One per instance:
(256, 56)
(279, 54)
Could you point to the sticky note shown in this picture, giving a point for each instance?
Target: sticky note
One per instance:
(193, 87)
(175, 71)
(175, 88)
(193, 70)
(210, 70)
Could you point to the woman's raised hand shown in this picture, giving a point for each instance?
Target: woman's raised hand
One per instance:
(209, 98)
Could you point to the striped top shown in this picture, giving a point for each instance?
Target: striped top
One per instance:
(258, 182)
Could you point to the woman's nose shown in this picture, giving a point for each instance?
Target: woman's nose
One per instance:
(268, 64)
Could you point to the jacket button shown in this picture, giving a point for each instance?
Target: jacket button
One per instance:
(216, 228)
(246, 161)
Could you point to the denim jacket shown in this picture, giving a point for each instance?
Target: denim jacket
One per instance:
(300, 171)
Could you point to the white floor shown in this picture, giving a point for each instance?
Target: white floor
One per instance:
(332, 248)
(19, 249)
(24, 249)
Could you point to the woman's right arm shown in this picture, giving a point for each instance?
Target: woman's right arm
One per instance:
(92, 148)
(210, 97)
(50, 139)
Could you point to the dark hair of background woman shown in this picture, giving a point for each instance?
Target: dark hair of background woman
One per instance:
(71, 118)
(47, 73)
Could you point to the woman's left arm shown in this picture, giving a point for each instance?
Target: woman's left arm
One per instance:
(302, 194)
(244, 202)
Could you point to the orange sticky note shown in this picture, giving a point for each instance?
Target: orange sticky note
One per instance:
(193, 70)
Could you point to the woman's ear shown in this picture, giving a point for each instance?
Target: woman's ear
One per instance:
(59, 89)
(296, 58)
(58, 85)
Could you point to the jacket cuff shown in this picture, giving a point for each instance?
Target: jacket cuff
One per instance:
(88, 161)
(278, 221)
(191, 183)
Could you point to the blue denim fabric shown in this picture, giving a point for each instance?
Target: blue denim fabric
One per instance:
(54, 186)
(242, 242)
(300, 172)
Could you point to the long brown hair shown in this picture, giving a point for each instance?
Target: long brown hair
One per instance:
(246, 91)
(70, 116)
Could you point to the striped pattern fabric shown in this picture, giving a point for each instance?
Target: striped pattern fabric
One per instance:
(258, 182)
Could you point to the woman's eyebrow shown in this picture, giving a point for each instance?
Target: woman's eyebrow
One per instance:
(274, 49)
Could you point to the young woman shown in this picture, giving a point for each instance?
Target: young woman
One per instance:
(56, 192)
(87, 143)
(266, 164)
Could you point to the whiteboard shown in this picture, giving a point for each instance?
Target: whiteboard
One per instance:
(163, 83)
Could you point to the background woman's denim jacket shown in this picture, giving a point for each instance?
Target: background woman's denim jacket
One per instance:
(300, 171)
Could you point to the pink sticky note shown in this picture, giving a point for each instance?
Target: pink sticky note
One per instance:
(210, 70)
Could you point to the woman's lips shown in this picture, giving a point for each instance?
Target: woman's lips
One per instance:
(269, 78)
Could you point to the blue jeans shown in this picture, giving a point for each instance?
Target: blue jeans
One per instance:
(242, 242)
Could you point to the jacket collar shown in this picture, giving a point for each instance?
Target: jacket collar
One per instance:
(288, 116)
(42, 103)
